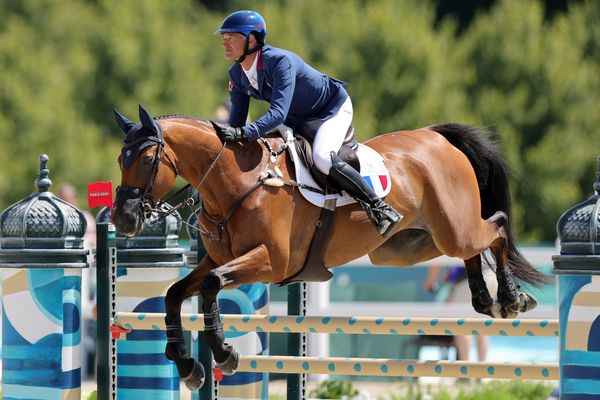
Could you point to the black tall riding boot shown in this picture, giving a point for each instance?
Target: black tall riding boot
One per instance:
(383, 215)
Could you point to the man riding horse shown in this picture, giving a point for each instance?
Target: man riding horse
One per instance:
(312, 103)
(449, 181)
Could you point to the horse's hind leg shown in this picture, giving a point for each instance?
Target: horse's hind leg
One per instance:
(480, 296)
(511, 299)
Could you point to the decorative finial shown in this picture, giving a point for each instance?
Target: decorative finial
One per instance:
(43, 183)
(597, 183)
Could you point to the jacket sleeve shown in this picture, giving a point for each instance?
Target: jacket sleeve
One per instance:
(284, 82)
(240, 102)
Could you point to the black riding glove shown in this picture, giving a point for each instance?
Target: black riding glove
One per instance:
(228, 133)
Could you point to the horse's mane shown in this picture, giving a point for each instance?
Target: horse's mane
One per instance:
(167, 116)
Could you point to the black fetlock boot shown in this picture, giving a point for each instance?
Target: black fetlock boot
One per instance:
(383, 215)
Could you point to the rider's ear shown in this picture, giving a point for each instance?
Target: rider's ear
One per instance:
(124, 123)
(146, 120)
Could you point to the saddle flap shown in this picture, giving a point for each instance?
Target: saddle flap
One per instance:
(372, 169)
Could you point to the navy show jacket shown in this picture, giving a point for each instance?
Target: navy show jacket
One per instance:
(297, 93)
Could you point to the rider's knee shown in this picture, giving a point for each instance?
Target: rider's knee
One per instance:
(322, 160)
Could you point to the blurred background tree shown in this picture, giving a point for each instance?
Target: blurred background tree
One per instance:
(529, 71)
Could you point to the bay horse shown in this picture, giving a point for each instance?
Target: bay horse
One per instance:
(449, 181)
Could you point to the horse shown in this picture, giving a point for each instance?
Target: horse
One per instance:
(450, 182)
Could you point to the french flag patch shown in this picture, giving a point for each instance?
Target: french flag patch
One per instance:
(230, 86)
(379, 183)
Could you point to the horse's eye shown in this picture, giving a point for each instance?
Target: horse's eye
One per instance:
(148, 160)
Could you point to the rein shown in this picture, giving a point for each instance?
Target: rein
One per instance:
(163, 209)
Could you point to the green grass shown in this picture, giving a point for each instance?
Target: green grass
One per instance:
(494, 390)
(333, 389)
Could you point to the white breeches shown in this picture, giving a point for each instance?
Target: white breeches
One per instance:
(330, 136)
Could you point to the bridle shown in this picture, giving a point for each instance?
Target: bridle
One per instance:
(147, 204)
(162, 209)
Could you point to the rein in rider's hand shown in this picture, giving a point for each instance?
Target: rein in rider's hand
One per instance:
(228, 133)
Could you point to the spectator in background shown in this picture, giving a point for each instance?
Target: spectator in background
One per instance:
(456, 277)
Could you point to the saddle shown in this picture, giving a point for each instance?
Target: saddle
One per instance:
(316, 186)
(347, 153)
(318, 189)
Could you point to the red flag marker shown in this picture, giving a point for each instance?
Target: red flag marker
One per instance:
(100, 194)
(217, 374)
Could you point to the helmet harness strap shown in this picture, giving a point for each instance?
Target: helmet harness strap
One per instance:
(247, 51)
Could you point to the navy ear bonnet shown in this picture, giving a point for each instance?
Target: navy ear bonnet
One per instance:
(137, 139)
(138, 135)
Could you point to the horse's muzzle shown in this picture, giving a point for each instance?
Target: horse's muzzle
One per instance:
(128, 215)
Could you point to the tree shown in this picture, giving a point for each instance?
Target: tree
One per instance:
(518, 68)
(536, 84)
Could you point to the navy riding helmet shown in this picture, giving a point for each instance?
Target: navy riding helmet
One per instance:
(245, 22)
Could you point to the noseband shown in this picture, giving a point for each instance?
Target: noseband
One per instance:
(147, 204)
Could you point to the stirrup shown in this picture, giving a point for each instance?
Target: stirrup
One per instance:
(386, 217)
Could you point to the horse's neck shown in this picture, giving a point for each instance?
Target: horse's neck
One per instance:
(219, 183)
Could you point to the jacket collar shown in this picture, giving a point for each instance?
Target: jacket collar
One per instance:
(259, 63)
(260, 73)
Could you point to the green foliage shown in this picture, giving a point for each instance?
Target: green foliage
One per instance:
(92, 396)
(536, 84)
(535, 81)
(495, 390)
(64, 65)
(333, 389)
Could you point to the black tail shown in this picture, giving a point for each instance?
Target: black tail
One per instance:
(492, 177)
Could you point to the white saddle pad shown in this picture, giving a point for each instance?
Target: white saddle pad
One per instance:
(372, 168)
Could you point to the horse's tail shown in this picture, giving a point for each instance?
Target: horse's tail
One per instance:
(492, 176)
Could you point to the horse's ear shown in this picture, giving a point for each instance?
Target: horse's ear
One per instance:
(123, 122)
(146, 119)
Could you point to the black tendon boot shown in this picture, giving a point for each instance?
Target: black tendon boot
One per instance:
(383, 215)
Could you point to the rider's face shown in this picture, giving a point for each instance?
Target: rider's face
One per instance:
(234, 45)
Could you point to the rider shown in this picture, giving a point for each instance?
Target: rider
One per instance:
(297, 93)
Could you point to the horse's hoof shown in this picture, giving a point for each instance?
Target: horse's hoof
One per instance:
(195, 379)
(527, 302)
(509, 313)
(230, 365)
(496, 310)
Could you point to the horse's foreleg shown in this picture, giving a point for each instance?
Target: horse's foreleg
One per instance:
(190, 371)
(254, 266)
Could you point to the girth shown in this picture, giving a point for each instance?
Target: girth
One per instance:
(314, 270)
